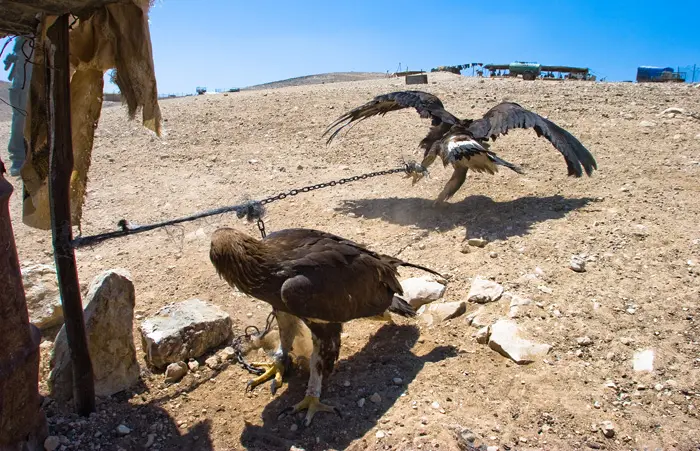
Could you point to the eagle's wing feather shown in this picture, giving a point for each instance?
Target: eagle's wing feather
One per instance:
(324, 271)
(426, 104)
(507, 115)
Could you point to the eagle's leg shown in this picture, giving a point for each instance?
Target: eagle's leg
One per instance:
(384, 317)
(452, 186)
(326, 338)
(288, 329)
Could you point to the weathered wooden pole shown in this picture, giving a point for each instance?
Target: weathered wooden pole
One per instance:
(61, 166)
(22, 423)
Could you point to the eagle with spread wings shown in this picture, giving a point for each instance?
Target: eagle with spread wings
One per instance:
(314, 279)
(463, 143)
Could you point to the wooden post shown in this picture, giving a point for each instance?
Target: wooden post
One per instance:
(61, 166)
(22, 423)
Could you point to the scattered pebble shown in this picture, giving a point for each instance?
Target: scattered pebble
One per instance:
(175, 372)
(346, 383)
(212, 362)
(659, 387)
(643, 360)
(380, 434)
(608, 429)
(435, 405)
(584, 341)
(483, 291)
(397, 381)
(361, 402)
(577, 263)
(597, 404)
(123, 430)
(193, 365)
(376, 398)
(647, 124)
(477, 242)
(294, 427)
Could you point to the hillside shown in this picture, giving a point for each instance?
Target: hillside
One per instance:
(332, 77)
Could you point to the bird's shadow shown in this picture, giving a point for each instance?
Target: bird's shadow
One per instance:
(481, 215)
(386, 356)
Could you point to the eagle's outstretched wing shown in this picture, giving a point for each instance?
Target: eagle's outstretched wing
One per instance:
(504, 116)
(427, 105)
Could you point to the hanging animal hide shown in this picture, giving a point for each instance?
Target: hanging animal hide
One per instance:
(116, 36)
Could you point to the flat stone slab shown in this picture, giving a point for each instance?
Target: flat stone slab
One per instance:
(182, 331)
(505, 339)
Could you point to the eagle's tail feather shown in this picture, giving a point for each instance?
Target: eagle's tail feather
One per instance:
(401, 307)
(502, 162)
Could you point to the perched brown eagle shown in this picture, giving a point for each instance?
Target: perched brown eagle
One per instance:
(464, 142)
(313, 278)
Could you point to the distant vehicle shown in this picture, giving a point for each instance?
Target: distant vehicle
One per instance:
(651, 74)
(234, 89)
(201, 90)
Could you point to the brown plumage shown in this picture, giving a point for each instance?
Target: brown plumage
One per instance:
(463, 143)
(314, 278)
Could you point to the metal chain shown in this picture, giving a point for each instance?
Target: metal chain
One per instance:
(408, 168)
(238, 343)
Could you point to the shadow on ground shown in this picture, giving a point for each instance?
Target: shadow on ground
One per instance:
(481, 215)
(387, 355)
(150, 427)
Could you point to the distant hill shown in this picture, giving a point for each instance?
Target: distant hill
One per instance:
(332, 77)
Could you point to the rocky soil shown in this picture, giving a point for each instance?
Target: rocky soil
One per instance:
(634, 227)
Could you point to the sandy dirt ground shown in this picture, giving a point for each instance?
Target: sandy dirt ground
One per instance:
(637, 220)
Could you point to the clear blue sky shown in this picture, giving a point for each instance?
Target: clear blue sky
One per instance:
(227, 43)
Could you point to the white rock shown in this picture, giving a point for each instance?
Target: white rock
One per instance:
(698, 135)
(577, 263)
(545, 289)
(517, 305)
(659, 387)
(123, 430)
(492, 448)
(193, 365)
(376, 398)
(108, 316)
(182, 331)
(435, 405)
(584, 341)
(482, 335)
(437, 313)
(380, 434)
(51, 443)
(484, 290)
(361, 402)
(43, 298)
(421, 290)
(477, 242)
(505, 339)
(647, 124)
(479, 318)
(643, 360)
(672, 110)
(212, 362)
(175, 371)
(608, 429)
(228, 353)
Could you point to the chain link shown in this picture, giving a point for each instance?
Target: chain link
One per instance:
(407, 168)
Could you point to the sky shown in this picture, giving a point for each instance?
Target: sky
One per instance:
(230, 43)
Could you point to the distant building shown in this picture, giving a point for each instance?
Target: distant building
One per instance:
(651, 74)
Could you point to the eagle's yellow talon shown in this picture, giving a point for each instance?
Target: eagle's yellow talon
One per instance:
(311, 404)
(272, 372)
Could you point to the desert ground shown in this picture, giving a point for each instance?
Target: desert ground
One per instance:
(637, 221)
